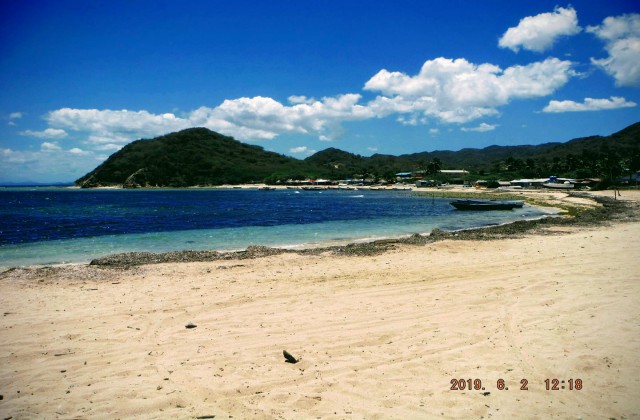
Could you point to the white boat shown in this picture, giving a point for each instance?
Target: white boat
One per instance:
(559, 186)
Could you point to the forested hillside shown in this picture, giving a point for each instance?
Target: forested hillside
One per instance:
(198, 156)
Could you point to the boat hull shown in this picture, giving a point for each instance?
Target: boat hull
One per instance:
(558, 186)
(482, 205)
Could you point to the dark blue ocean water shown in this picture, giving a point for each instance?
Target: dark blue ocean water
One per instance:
(54, 225)
(48, 214)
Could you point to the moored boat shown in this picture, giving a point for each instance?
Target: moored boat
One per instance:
(559, 186)
(486, 204)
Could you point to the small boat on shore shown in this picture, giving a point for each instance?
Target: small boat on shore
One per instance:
(486, 205)
(559, 183)
(558, 186)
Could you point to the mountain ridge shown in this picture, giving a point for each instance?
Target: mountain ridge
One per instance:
(199, 156)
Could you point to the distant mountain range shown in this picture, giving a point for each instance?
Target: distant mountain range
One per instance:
(198, 156)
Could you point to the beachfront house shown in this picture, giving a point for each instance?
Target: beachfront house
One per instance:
(455, 176)
(403, 176)
(454, 172)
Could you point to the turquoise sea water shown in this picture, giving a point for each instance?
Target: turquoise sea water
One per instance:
(40, 226)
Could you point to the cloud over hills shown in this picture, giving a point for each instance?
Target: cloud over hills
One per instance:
(443, 91)
(447, 90)
(457, 91)
(589, 104)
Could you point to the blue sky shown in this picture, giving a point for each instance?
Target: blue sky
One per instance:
(81, 79)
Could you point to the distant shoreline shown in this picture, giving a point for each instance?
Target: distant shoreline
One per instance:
(578, 212)
(583, 209)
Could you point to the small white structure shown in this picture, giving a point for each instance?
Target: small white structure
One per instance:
(454, 172)
(529, 183)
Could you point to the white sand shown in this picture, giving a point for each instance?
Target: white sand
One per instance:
(379, 337)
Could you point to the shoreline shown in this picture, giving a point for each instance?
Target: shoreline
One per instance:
(379, 335)
(601, 211)
(47, 250)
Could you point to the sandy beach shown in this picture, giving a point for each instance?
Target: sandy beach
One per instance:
(378, 337)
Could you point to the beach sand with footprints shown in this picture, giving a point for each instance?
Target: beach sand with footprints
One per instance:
(396, 334)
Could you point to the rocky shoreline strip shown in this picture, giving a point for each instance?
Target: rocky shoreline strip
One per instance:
(608, 211)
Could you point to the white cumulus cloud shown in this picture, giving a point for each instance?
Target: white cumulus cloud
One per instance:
(446, 90)
(13, 159)
(413, 120)
(50, 146)
(109, 126)
(450, 91)
(300, 99)
(457, 91)
(50, 163)
(480, 128)
(589, 104)
(49, 133)
(302, 150)
(265, 118)
(538, 33)
(14, 116)
(244, 118)
(621, 36)
(78, 151)
(107, 147)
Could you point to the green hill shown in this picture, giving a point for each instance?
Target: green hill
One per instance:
(195, 156)
(198, 156)
(596, 156)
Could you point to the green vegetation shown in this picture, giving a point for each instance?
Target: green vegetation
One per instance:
(198, 156)
(191, 157)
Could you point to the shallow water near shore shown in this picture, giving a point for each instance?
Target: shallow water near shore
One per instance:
(40, 226)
